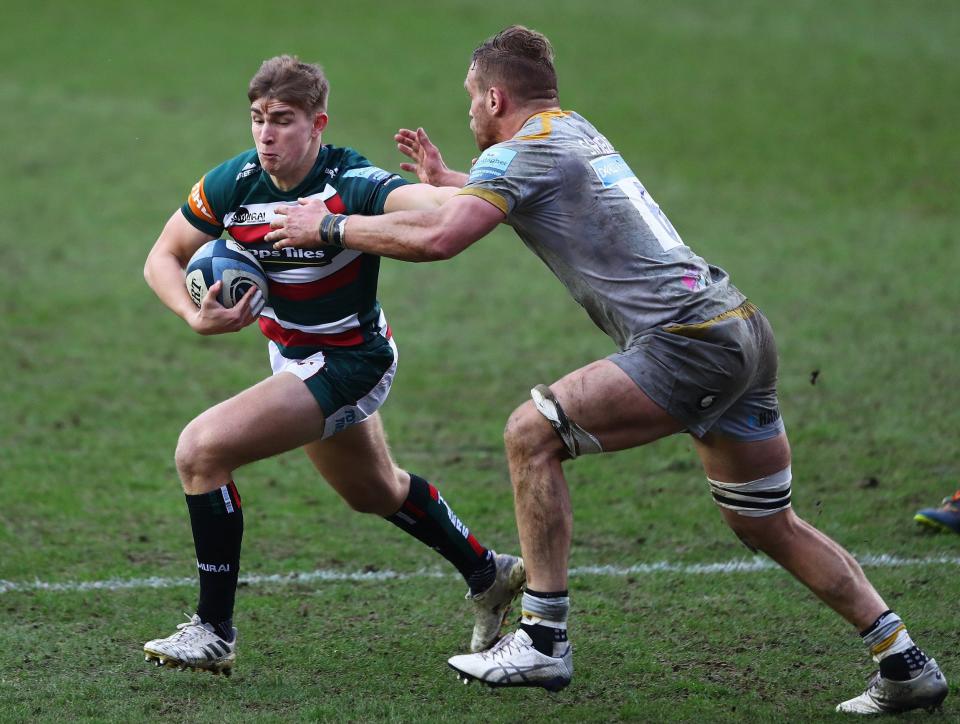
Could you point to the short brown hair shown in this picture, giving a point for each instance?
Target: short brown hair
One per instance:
(287, 79)
(521, 60)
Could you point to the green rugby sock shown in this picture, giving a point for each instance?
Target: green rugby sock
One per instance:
(426, 516)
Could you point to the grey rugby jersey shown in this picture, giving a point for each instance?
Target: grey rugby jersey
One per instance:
(577, 204)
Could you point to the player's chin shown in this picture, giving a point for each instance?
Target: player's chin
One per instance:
(269, 162)
(483, 141)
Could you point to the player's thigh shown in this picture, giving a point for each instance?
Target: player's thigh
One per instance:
(603, 400)
(275, 415)
(356, 462)
(750, 481)
(730, 460)
(748, 441)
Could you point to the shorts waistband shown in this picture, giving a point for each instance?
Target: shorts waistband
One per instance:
(700, 329)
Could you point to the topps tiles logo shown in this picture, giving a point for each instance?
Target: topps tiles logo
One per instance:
(290, 253)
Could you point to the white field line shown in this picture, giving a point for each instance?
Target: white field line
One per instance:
(739, 565)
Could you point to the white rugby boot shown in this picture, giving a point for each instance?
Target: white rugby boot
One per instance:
(492, 606)
(194, 646)
(926, 690)
(514, 661)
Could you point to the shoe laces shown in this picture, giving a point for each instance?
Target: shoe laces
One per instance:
(873, 681)
(503, 648)
(186, 629)
(952, 502)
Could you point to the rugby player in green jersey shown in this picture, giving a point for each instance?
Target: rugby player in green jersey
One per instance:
(331, 350)
(694, 355)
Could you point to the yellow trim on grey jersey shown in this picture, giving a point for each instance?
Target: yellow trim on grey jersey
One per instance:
(744, 311)
(490, 196)
(546, 125)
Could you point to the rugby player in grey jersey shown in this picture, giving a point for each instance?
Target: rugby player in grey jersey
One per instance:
(694, 356)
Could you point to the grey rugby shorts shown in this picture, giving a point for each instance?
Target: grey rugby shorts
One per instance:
(714, 376)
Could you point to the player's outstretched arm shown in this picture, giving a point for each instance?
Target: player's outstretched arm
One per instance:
(431, 235)
(164, 273)
(418, 196)
(427, 163)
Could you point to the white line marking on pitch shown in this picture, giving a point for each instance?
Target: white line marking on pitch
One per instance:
(739, 565)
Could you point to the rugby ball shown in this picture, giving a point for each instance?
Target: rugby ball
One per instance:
(225, 260)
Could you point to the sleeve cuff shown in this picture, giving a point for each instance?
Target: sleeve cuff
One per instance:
(489, 196)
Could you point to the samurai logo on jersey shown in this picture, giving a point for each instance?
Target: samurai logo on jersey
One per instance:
(244, 216)
(248, 224)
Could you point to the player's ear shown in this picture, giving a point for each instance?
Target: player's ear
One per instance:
(319, 122)
(496, 100)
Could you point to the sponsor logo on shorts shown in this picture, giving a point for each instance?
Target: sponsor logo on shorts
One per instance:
(344, 420)
(766, 417)
(706, 401)
(492, 163)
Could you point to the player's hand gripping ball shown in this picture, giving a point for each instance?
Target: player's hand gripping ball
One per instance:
(225, 260)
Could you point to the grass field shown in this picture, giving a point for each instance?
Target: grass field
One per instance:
(810, 148)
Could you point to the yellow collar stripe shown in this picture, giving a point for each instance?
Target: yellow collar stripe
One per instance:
(546, 118)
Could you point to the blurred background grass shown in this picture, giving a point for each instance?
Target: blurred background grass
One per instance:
(809, 148)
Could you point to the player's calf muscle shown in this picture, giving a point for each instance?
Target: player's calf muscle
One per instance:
(372, 496)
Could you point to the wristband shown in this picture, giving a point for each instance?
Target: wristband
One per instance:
(331, 229)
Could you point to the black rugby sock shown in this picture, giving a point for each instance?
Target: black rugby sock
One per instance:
(544, 619)
(890, 644)
(217, 522)
(426, 516)
(545, 637)
(904, 665)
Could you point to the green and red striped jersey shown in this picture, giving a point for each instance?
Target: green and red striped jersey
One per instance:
(318, 297)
